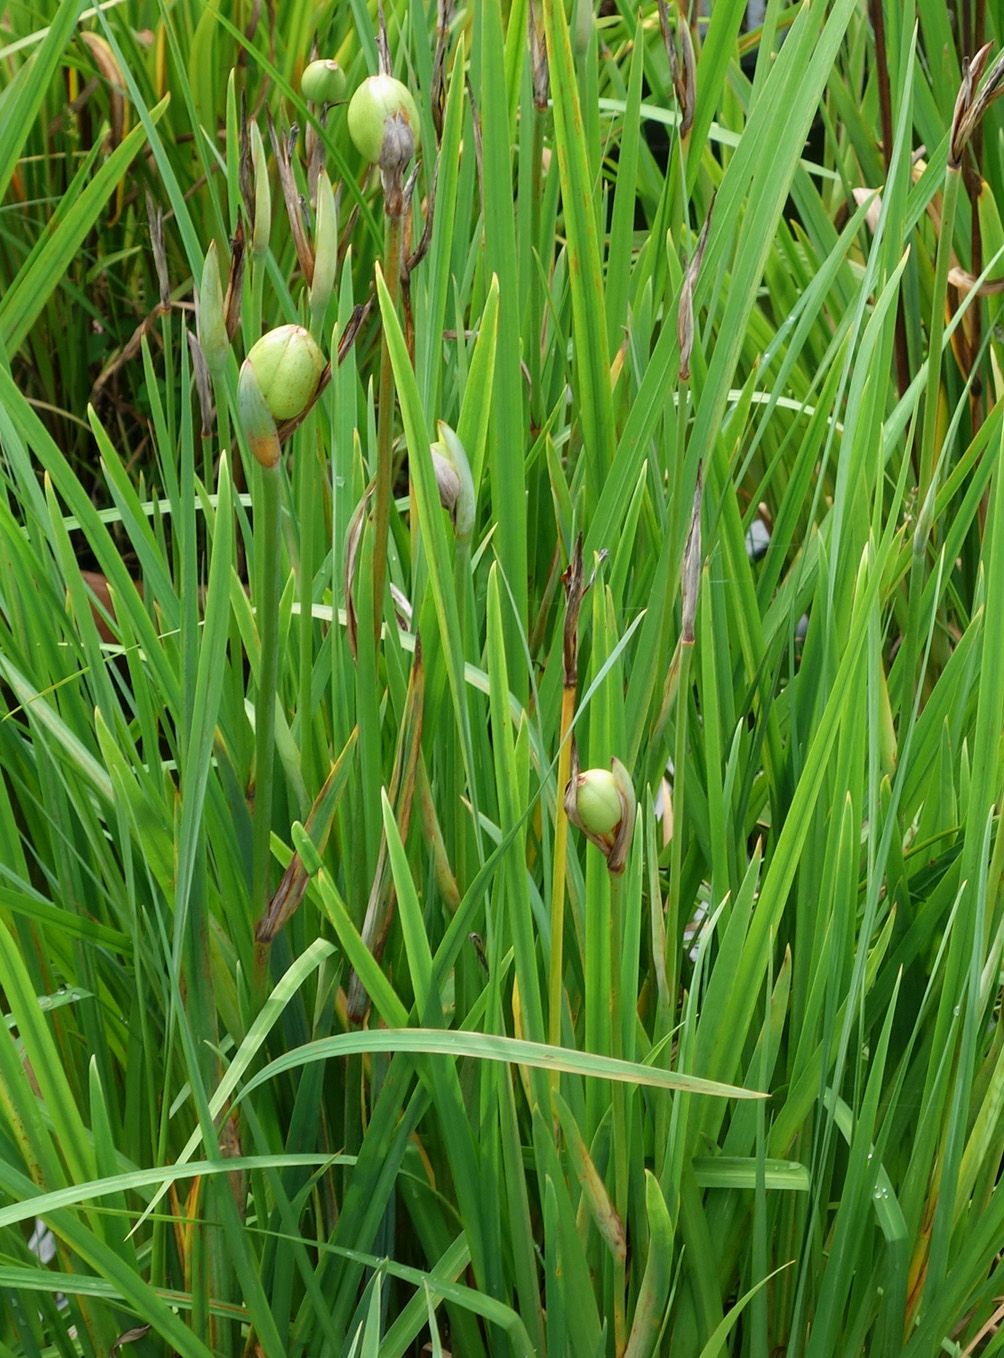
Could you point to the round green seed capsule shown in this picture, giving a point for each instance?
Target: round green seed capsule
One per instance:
(287, 365)
(598, 801)
(378, 99)
(323, 82)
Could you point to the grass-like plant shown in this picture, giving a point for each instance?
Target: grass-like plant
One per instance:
(537, 892)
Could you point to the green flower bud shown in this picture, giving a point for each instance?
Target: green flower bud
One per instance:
(212, 325)
(453, 475)
(262, 197)
(383, 121)
(447, 481)
(323, 82)
(598, 801)
(325, 250)
(287, 366)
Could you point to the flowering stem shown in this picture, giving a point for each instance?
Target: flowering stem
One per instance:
(268, 674)
(537, 411)
(619, 1097)
(385, 429)
(679, 765)
(253, 331)
(223, 419)
(907, 662)
(310, 492)
(937, 331)
(554, 997)
(461, 577)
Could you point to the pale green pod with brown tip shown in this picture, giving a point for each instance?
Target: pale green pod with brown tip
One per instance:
(323, 82)
(256, 419)
(287, 365)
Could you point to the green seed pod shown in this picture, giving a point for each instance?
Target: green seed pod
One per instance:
(287, 365)
(212, 324)
(602, 804)
(323, 82)
(598, 801)
(381, 115)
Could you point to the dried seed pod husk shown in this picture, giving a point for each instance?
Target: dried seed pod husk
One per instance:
(685, 311)
(972, 104)
(538, 56)
(284, 146)
(691, 572)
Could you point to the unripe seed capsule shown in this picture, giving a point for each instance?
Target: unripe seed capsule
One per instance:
(598, 801)
(378, 100)
(323, 82)
(287, 364)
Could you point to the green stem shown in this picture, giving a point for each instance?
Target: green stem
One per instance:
(906, 661)
(223, 416)
(619, 1095)
(461, 574)
(252, 322)
(937, 331)
(554, 990)
(927, 485)
(679, 766)
(385, 429)
(268, 675)
(367, 714)
(537, 412)
(310, 492)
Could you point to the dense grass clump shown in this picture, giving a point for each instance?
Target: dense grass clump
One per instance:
(499, 840)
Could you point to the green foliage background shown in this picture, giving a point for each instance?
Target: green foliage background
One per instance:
(746, 1097)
